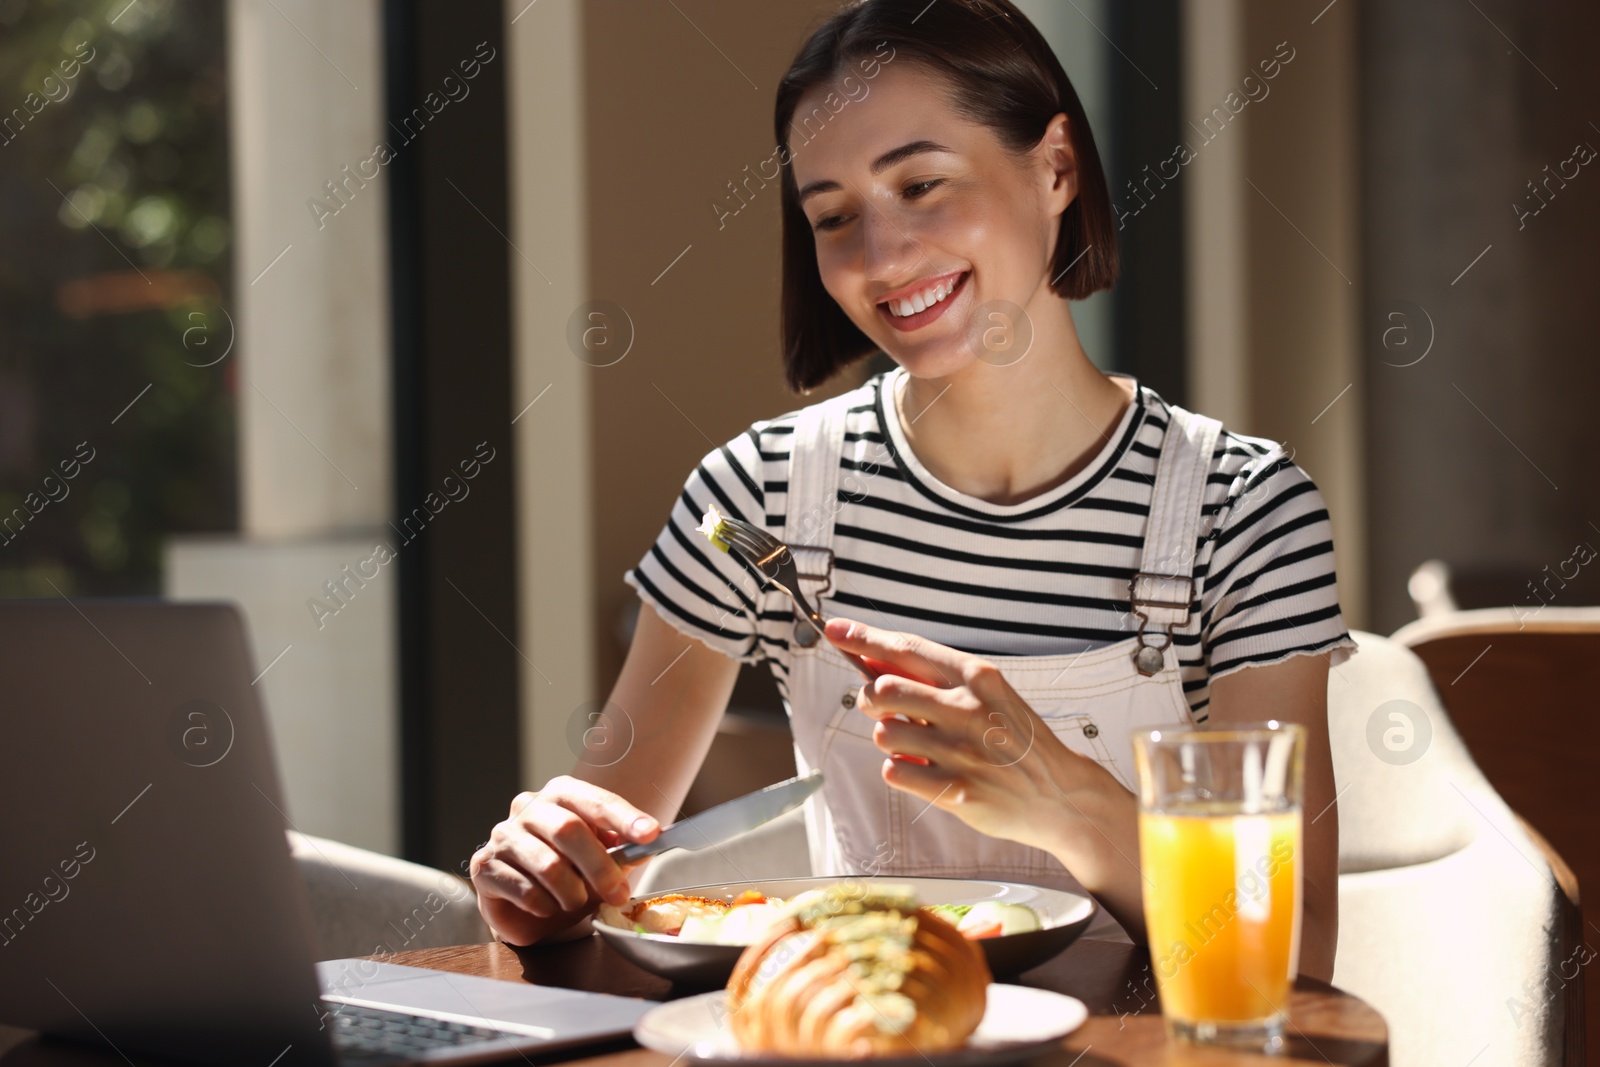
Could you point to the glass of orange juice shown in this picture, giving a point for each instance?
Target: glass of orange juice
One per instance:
(1219, 842)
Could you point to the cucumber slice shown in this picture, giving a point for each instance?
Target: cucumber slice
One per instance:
(711, 526)
(1013, 918)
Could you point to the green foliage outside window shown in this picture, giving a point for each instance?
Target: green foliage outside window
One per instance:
(116, 397)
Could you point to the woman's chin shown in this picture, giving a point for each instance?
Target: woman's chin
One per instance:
(933, 362)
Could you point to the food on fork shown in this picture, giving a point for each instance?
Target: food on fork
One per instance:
(711, 526)
(855, 971)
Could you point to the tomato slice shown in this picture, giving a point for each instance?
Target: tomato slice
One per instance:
(750, 896)
(977, 933)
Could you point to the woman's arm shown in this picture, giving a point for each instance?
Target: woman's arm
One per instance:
(545, 867)
(1296, 690)
(670, 696)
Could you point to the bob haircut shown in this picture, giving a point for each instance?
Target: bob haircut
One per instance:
(1002, 75)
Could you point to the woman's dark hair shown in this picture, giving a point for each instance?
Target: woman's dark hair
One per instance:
(1001, 74)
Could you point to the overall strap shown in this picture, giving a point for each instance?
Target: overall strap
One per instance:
(1162, 592)
(812, 499)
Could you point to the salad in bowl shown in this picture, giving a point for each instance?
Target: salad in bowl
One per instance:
(695, 934)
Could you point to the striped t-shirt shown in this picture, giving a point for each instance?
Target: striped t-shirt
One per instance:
(1046, 576)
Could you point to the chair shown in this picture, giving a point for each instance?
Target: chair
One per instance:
(364, 903)
(1437, 588)
(1453, 919)
(1520, 688)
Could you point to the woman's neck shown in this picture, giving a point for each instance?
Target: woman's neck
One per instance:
(1005, 434)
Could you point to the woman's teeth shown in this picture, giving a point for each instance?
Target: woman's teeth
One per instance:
(924, 300)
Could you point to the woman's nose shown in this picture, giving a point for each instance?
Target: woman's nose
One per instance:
(890, 250)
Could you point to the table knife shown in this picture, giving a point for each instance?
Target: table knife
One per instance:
(716, 825)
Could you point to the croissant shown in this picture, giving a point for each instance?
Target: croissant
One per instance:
(850, 973)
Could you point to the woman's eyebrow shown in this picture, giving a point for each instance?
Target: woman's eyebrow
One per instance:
(879, 165)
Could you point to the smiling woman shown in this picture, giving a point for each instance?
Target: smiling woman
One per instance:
(1046, 556)
(820, 336)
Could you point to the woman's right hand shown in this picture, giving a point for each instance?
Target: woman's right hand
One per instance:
(545, 867)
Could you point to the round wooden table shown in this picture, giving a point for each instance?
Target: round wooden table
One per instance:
(1326, 1026)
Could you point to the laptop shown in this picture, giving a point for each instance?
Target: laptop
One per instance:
(148, 900)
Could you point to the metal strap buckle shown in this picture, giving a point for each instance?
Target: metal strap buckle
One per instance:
(825, 577)
(805, 635)
(1149, 658)
(1175, 605)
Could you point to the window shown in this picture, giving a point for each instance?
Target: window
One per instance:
(116, 390)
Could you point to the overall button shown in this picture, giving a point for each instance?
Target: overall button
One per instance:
(805, 635)
(849, 699)
(1148, 660)
(1090, 730)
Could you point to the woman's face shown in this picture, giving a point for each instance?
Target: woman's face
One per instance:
(954, 213)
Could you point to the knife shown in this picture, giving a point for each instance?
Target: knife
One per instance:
(715, 825)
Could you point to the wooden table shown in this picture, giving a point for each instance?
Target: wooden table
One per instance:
(1326, 1026)
(1114, 980)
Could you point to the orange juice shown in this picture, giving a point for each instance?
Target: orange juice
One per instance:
(1221, 910)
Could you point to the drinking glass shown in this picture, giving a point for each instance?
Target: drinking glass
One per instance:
(1219, 839)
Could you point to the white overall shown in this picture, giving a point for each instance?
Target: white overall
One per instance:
(1091, 700)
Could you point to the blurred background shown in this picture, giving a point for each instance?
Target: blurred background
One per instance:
(401, 324)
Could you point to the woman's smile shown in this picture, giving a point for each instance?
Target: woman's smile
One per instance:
(908, 198)
(909, 310)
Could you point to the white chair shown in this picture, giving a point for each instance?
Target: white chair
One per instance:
(1450, 918)
(1519, 686)
(364, 903)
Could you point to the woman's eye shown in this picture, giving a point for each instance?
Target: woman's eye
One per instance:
(914, 191)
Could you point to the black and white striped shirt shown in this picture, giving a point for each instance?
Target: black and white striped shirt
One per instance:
(1043, 577)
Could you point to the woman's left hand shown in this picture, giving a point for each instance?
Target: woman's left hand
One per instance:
(972, 747)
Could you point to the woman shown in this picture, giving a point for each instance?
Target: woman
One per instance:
(1049, 555)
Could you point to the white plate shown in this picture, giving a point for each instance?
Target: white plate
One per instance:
(1019, 1022)
(1063, 915)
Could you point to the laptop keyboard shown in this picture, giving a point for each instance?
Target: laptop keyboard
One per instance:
(363, 1033)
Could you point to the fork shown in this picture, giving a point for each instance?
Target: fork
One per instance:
(773, 560)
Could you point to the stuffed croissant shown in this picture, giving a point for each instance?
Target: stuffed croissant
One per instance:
(852, 972)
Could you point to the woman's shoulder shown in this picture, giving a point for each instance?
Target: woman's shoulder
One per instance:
(1240, 463)
(756, 459)
(857, 400)
(769, 438)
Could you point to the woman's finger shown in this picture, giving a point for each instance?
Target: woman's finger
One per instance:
(888, 696)
(569, 834)
(570, 814)
(934, 784)
(518, 841)
(603, 808)
(498, 880)
(571, 859)
(911, 655)
(896, 737)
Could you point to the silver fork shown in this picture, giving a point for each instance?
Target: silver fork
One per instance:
(772, 558)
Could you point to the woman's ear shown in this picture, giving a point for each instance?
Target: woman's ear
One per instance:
(1061, 163)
